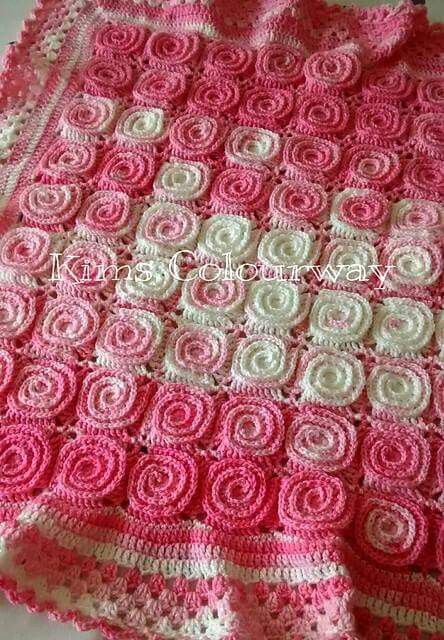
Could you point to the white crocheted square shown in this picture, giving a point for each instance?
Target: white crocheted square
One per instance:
(331, 377)
(262, 362)
(181, 181)
(402, 327)
(339, 319)
(224, 236)
(348, 261)
(283, 250)
(412, 217)
(275, 307)
(141, 126)
(146, 280)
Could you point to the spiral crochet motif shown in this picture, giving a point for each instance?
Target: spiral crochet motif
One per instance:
(251, 427)
(42, 390)
(293, 202)
(333, 69)
(50, 206)
(251, 146)
(392, 531)
(26, 250)
(156, 282)
(155, 88)
(86, 117)
(222, 319)
(107, 78)
(106, 214)
(67, 323)
(162, 483)
(127, 338)
(311, 158)
(321, 439)
(6, 369)
(86, 266)
(109, 399)
(180, 415)
(166, 228)
(235, 495)
(115, 39)
(91, 467)
(140, 127)
(310, 500)
(274, 307)
(278, 64)
(17, 306)
(25, 455)
(195, 136)
(214, 301)
(170, 50)
(405, 463)
(68, 162)
(213, 97)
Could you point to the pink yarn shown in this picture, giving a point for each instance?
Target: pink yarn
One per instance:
(222, 320)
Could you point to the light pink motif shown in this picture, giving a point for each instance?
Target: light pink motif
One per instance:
(295, 202)
(371, 167)
(390, 529)
(50, 206)
(17, 311)
(109, 399)
(251, 427)
(321, 439)
(42, 390)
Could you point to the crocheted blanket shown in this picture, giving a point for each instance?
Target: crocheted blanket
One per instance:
(221, 319)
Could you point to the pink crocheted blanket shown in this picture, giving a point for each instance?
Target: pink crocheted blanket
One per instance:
(221, 319)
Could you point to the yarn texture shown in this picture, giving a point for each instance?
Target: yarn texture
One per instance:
(222, 319)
